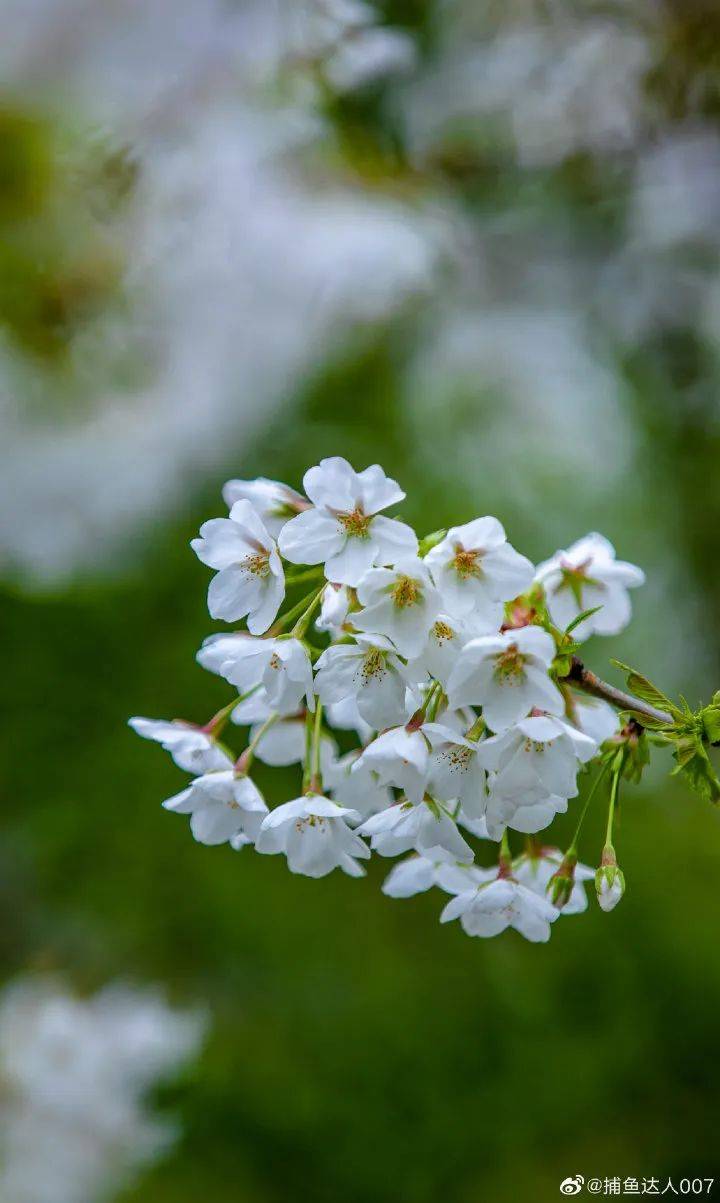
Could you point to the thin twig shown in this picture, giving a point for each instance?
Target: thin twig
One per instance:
(582, 678)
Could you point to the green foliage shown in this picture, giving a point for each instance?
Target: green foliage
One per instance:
(646, 691)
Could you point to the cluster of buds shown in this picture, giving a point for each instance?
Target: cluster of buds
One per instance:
(446, 661)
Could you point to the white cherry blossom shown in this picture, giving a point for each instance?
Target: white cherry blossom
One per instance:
(361, 791)
(313, 833)
(288, 676)
(345, 529)
(192, 749)
(368, 670)
(456, 773)
(417, 874)
(508, 675)
(250, 581)
(587, 575)
(425, 826)
(401, 603)
(518, 815)
(333, 609)
(538, 757)
(594, 717)
(222, 805)
(399, 757)
(281, 666)
(474, 567)
(273, 501)
(446, 639)
(458, 719)
(345, 716)
(283, 743)
(490, 909)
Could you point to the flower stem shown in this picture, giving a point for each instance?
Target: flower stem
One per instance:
(307, 759)
(316, 775)
(418, 718)
(296, 612)
(218, 721)
(505, 856)
(309, 574)
(572, 850)
(303, 621)
(244, 762)
(611, 808)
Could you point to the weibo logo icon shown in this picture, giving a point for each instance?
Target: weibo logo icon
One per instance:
(572, 1186)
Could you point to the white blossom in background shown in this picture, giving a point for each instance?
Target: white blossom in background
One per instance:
(74, 1074)
(587, 576)
(464, 726)
(240, 272)
(595, 718)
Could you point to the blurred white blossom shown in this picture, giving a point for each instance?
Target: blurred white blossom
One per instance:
(74, 1073)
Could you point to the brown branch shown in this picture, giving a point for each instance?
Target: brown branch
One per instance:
(582, 678)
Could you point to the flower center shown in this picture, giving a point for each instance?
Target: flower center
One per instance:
(509, 665)
(310, 821)
(575, 577)
(458, 758)
(466, 562)
(356, 524)
(257, 565)
(406, 592)
(373, 664)
(442, 632)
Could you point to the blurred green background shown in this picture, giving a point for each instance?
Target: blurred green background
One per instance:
(559, 371)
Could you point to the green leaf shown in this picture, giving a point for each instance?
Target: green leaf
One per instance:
(581, 618)
(429, 541)
(710, 718)
(645, 690)
(694, 763)
(645, 720)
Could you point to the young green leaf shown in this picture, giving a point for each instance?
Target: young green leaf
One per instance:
(645, 690)
(581, 618)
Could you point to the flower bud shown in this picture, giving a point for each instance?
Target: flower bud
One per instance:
(609, 880)
(562, 882)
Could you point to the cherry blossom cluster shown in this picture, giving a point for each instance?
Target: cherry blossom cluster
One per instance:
(422, 685)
